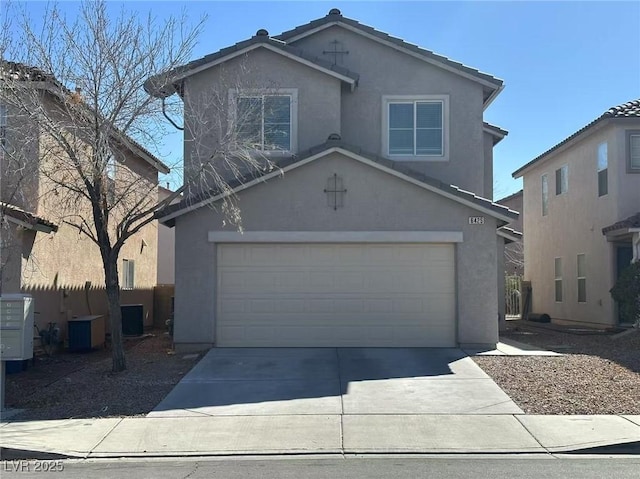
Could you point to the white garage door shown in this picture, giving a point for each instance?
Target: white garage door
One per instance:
(328, 295)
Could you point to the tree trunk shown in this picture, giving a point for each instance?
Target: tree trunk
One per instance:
(115, 315)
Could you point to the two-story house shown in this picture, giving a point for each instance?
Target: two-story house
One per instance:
(581, 215)
(376, 228)
(41, 254)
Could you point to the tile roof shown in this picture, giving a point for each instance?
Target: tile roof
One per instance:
(164, 84)
(497, 132)
(20, 72)
(191, 201)
(630, 222)
(335, 17)
(35, 222)
(630, 109)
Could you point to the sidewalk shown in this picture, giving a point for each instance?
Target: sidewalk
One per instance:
(310, 434)
(280, 434)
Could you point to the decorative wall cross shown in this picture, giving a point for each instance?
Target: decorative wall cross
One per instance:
(336, 50)
(335, 191)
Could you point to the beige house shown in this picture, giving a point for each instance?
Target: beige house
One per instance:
(42, 255)
(581, 206)
(376, 227)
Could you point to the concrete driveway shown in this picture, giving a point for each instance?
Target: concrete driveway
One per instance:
(335, 381)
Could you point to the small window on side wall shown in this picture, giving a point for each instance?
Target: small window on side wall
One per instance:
(634, 152)
(128, 274)
(603, 168)
(562, 181)
(582, 278)
(558, 279)
(545, 195)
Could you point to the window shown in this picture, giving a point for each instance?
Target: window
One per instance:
(603, 164)
(562, 182)
(634, 152)
(416, 127)
(266, 122)
(545, 195)
(128, 274)
(558, 279)
(3, 125)
(582, 278)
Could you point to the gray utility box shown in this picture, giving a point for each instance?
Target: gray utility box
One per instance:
(16, 327)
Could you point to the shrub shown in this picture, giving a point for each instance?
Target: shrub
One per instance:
(626, 293)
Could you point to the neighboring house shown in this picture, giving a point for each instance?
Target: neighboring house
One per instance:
(581, 206)
(514, 252)
(364, 240)
(42, 255)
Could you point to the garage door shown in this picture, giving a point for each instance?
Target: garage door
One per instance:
(327, 295)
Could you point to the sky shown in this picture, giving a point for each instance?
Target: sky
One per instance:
(563, 63)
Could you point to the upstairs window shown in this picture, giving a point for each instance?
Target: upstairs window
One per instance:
(603, 165)
(634, 152)
(545, 195)
(416, 128)
(562, 181)
(265, 122)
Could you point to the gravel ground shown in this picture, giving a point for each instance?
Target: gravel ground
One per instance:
(596, 374)
(81, 385)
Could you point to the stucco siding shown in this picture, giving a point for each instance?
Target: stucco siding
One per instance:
(375, 201)
(207, 100)
(386, 71)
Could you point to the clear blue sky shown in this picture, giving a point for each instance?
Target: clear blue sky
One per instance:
(563, 63)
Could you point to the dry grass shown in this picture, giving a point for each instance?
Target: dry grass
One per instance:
(596, 375)
(81, 385)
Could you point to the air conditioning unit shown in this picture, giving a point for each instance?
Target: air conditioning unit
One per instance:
(132, 319)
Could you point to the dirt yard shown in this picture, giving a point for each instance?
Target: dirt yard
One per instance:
(596, 374)
(81, 385)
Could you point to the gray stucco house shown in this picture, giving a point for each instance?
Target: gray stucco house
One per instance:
(377, 228)
(582, 218)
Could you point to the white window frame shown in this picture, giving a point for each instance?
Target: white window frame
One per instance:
(557, 273)
(603, 154)
(564, 180)
(581, 276)
(388, 99)
(234, 94)
(128, 274)
(544, 193)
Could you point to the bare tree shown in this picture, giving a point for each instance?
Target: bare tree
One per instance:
(85, 94)
(81, 83)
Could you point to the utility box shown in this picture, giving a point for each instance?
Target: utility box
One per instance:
(16, 327)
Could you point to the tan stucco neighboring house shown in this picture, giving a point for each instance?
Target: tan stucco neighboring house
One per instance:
(43, 256)
(581, 201)
(376, 228)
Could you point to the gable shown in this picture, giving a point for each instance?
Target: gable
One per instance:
(374, 201)
(335, 21)
(385, 167)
